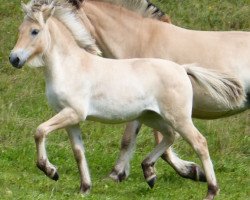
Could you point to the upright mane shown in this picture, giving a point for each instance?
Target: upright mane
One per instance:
(64, 12)
(143, 7)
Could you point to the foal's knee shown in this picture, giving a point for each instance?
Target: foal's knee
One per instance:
(40, 132)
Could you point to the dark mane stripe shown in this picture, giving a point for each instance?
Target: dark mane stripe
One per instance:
(76, 3)
(143, 7)
(157, 11)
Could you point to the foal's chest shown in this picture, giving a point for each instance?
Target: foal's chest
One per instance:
(58, 96)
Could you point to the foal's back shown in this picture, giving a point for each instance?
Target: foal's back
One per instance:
(131, 86)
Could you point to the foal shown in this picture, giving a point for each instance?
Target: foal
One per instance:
(81, 86)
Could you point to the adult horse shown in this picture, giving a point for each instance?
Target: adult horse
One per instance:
(125, 29)
(81, 86)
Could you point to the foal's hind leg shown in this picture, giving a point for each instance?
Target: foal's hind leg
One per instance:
(184, 168)
(122, 167)
(149, 161)
(75, 136)
(188, 131)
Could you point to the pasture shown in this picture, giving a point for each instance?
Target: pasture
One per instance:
(24, 107)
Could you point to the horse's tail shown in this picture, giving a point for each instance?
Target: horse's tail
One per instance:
(226, 89)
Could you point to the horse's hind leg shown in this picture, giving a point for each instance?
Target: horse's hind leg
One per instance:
(121, 169)
(149, 161)
(188, 131)
(184, 168)
(75, 136)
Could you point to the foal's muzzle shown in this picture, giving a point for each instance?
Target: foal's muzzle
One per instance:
(16, 61)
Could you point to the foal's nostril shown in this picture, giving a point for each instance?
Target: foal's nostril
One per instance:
(15, 61)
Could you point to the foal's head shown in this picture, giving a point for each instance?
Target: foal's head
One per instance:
(34, 39)
(34, 34)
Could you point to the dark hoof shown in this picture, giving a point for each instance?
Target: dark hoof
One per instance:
(48, 171)
(151, 182)
(85, 188)
(213, 190)
(122, 176)
(118, 177)
(55, 177)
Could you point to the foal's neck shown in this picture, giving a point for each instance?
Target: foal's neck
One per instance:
(64, 50)
(117, 30)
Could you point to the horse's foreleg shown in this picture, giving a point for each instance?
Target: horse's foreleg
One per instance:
(199, 144)
(75, 136)
(148, 163)
(63, 119)
(121, 169)
(184, 168)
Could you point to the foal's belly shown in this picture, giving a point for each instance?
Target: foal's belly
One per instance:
(118, 111)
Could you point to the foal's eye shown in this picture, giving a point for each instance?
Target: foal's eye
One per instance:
(34, 32)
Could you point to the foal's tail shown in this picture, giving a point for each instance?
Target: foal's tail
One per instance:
(226, 89)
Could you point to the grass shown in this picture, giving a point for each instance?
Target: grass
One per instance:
(24, 106)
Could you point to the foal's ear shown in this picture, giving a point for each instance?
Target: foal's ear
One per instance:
(24, 8)
(48, 11)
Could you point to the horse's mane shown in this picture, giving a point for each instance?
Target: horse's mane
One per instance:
(65, 12)
(143, 7)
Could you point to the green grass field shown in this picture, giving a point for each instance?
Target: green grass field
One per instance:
(23, 107)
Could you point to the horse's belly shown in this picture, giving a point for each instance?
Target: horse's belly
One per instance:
(207, 107)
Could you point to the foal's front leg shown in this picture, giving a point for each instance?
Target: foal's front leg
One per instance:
(64, 118)
(75, 136)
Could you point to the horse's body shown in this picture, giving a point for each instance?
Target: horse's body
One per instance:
(121, 33)
(81, 86)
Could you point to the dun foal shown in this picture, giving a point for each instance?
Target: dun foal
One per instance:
(81, 86)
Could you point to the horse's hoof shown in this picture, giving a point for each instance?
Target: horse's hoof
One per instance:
(85, 189)
(55, 177)
(122, 176)
(118, 177)
(213, 190)
(209, 198)
(151, 182)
